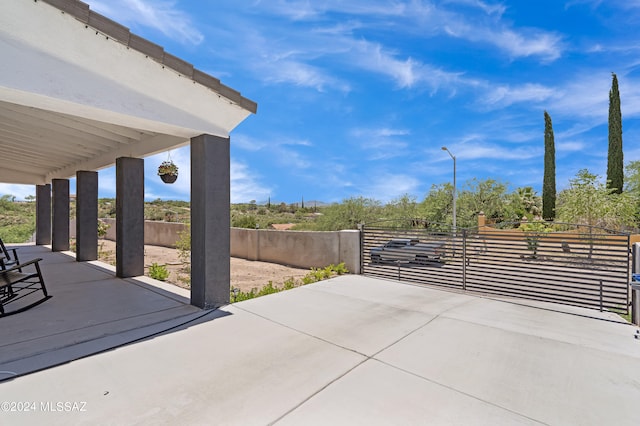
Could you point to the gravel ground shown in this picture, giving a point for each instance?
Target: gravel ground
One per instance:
(245, 274)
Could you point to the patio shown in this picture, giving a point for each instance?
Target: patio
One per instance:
(351, 350)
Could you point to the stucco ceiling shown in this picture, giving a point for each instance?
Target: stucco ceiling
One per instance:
(78, 90)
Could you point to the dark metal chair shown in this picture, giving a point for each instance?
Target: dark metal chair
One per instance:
(19, 282)
(5, 255)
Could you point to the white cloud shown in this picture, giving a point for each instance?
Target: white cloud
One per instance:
(570, 146)
(249, 143)
(286, 60)
(381, 143)
(162, 16)
(476, 147)
(548, 46)
(245, 185)
(300, 56)
(378, 132)
(407, 73)
(504, 96)
(489, 8)
(107, 182)
(18, 191)
(299, 74)
(387, 186)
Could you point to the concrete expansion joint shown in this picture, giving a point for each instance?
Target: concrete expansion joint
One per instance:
(303, 332)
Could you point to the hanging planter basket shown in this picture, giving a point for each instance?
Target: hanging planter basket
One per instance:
(169, 178)
(168, 171)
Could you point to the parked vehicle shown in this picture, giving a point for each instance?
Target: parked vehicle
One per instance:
(408, 250)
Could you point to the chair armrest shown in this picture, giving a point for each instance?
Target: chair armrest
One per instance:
(20, 266)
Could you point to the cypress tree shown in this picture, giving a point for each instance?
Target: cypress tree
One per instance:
(615, 166)
(549, 182)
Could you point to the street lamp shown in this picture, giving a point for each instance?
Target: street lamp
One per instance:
(453, 157)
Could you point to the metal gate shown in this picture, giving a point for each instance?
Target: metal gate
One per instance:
(569, 264)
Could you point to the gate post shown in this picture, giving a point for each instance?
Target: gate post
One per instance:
(464, 259)
(635, 285)
(361, 236)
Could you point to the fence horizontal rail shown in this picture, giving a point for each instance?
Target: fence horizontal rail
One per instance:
(587, 269)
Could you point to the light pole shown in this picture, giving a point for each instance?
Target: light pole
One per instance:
(453, 157)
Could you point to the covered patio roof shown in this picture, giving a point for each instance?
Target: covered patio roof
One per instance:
(78, 90)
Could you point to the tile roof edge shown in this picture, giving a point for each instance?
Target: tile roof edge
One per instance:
(120, 33)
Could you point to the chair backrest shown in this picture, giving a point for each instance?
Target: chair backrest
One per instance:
(6, 259)
(3, 250)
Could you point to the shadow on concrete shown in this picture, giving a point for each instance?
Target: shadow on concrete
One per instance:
(90, 311)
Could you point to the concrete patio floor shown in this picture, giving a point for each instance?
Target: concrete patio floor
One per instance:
(351, 350)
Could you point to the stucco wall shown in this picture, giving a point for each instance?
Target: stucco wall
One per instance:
(304, 249)
(156, 233)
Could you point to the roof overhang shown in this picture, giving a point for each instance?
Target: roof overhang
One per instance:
(78, 90)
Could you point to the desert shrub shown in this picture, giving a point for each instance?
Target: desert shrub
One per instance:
(289, 283)
(17, 220)
(183, 244)
(316, 274)
(103, 227)
(244, 221)
(158, 272)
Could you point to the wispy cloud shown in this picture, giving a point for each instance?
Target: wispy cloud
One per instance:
(504, 95)
(163, 16)
(489, 8)
(569, 147)
(406, 72)
(18, 191)
(387, 186)
(306, 55)
(245, 185)
(299, 73)
(523, 43)
(249, 143)
(381, 143)
(478, 146)
(430, 17)
(284, 62)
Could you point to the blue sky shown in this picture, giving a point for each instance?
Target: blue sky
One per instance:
(356, 98)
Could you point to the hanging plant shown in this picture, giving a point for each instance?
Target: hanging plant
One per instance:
(168, 171)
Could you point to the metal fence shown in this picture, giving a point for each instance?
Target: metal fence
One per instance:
(569, 264)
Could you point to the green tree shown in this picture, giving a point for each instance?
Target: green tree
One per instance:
(524, 202)
(437, 206)
(404, 207)
(488, 196)
(632, 177)
(632, 185)
(588, 201)
(349, 213)
(549, 180)
(615, 164)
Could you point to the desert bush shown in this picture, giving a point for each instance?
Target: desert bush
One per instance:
(184, 244)
(316, 274)
(158, 272)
